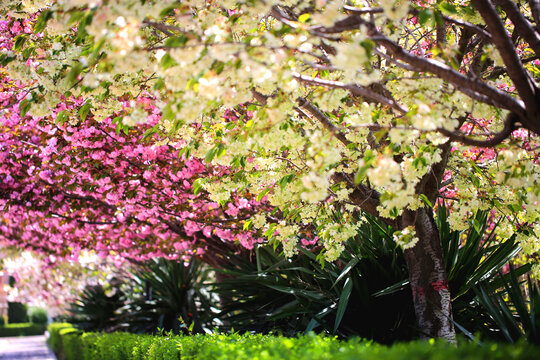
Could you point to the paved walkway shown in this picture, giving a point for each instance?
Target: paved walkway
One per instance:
(25, 348)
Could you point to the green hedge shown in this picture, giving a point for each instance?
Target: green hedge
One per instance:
(38, 315)
(24, 329)
(71, 344)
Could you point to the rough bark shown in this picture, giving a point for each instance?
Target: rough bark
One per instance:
(427, 274)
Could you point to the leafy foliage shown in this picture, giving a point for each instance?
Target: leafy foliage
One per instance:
(171, 297)
(21, 329)
(122, 346)
(17, 313)
(366, 292)
(38, 315)
(97, 307)
(472, 257)
(290, 295)
(55, 339)
(515, 309)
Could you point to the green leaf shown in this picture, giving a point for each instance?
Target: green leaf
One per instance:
(176, 41)
(24, 106)
(368, 45)
(270, 232)
(6, 59)
(150, 132)
(439, 20)
(159, 84)
(210, 154)
(248, 224)
(285, 180)
(29, 51)
(19, 42)
(84, 110)
(448, 8)
(346, 269)
(41, 21)
(73, 74)
(425, 200)
(61, 117)
(343, 302)
(168, 11)
(75, 17)
(424, 16)
(262, 194)
(167, 61)
(197, 185)
(392, 288)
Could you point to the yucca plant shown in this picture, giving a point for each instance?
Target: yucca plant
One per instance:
(473, 256)
(271, 292)
(366, 292)
(168, 295)
(96, 308)
(514, 307)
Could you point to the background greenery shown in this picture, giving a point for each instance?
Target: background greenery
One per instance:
(364, 293)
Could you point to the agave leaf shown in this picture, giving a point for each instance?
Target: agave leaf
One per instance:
(392, 288)
(343, 302)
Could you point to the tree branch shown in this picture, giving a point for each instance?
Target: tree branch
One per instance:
(365, 198)
(356, 90)
(526, 89)
(167, 29)
(523, 27)
(535, 10)
(466, 25)
(445, 72)
(509, 127)
(304, 104)
(429, 65)
(323, 119)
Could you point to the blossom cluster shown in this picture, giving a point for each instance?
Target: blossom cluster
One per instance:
(273, 104)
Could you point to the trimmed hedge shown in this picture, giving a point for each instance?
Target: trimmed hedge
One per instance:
(24, 329)
(71, 344)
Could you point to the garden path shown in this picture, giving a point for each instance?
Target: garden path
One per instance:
(25, 348)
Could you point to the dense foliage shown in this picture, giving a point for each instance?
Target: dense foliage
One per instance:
(366, 291)
(121, 346)
(38, 315)
(168, 295)
(17, 313)
(300, 109)
(21, 329)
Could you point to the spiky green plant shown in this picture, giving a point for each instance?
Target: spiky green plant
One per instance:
(366, 291)
(514, 307)
(96, 308)
(170, 296)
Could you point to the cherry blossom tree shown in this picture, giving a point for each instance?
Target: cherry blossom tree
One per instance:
(53, 283)
(326, 109)
(69, 185)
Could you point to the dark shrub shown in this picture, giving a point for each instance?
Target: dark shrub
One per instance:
(17, 313)
(96, 307)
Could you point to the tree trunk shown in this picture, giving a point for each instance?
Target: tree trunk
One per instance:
(427, 274)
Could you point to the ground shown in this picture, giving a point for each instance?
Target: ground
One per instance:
(25, 348)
